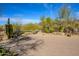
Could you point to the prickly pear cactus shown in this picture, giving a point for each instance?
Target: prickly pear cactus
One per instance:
(9, 29)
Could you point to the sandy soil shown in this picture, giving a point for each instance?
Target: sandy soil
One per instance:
(56, 45)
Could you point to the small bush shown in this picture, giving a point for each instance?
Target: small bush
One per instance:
(31, 27)
(51, 29)
(4, 52)
(61, 28)
(46, 30)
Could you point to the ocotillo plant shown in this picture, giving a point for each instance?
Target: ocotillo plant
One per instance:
(9, 29)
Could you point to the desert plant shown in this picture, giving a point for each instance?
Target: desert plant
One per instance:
(4, 52)
(51, 29)
(47, 24)
(46, 30)
(9, 29)
(68, 29)
(31, 27)
(61, 28)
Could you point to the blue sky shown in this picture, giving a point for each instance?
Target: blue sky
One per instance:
(31, 12)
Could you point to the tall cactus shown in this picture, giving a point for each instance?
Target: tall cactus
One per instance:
(9, 29)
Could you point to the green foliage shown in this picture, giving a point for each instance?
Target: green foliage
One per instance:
(4, 52)
(47, 24)
(31, 27)
(61, 28)
(46, 30)
(17, 26)
(51, 29)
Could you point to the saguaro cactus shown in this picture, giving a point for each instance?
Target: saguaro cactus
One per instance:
(9, 29)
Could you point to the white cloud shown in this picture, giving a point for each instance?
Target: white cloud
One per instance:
(25, 21)
(19, 20)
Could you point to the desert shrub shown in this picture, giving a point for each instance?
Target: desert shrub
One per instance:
(31, 27)
(4, 52)
(68, 29)
(15, 27)
(46, 30)
(61, 28)
(47, 24)
(51, 29)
